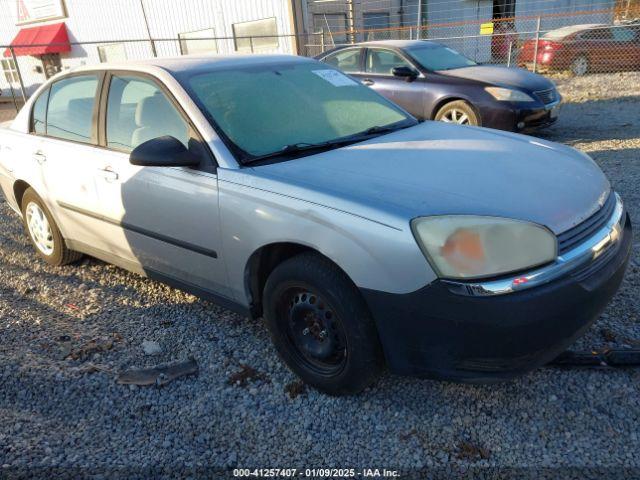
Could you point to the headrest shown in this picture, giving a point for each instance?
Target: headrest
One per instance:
(153, 110)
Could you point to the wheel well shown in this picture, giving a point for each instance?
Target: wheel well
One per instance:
(18, 191)
(260, 265)
(443, 102)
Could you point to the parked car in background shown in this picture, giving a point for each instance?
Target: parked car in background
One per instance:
(281, 188)
(434, 82)
(585, 48)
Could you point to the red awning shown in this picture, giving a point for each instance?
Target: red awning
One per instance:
(40, 40)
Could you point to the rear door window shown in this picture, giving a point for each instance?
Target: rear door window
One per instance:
(70, 110)
(137, 111)
(349, 61)
(382, 62)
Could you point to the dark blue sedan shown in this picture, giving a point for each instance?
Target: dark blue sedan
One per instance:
(434, 82)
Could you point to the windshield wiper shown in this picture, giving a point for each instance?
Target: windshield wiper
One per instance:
(308, 147)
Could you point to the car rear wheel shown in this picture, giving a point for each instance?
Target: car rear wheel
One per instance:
(580, 66)
(44, 233)
(321, 326)
(459, 112)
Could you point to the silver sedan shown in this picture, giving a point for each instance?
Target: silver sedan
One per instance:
(281, 188)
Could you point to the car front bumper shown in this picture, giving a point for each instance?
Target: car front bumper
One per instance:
(436, 332)
(519, 117)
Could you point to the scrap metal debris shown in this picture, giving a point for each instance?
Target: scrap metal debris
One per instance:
(295, 389)
(470, 451)
(246, 374)
(88, 349)
(159, 375)
(602, 358)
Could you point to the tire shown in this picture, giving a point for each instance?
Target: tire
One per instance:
(580, 66)
(49, 243)
(459, 112)
(308, 292)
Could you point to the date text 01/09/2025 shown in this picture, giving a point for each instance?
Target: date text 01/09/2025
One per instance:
(315, 473)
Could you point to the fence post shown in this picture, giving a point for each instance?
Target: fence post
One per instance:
(510, 52)
(535, 52)
(322, 40)
(419, 25)
(15, 62)
(251, 43)
(13, 97)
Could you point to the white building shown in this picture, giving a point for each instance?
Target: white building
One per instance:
(66, 33)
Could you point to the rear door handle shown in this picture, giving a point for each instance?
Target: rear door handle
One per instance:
(368, 82)
(39, 157)
(108, 174)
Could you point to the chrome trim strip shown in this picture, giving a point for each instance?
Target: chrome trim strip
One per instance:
(604, 239)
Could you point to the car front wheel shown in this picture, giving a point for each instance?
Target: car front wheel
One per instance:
(321, 326)
(44, 233)
(459, 112)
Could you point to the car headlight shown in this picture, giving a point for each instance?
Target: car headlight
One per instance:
(466, 247)
(508, 95)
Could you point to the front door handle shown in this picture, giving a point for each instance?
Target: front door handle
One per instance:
(39, 157)
(368, 82)
(108, 174)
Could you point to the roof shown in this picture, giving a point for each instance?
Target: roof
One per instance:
(40, 40)
(398, 43)
(183, 63)
(564, 32)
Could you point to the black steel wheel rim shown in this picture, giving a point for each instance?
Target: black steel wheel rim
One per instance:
(313, 330)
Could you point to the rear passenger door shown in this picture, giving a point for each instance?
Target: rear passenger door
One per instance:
(65, 148)
(163, 219)
(409, 94)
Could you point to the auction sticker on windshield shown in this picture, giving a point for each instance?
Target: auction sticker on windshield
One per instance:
(335, 78)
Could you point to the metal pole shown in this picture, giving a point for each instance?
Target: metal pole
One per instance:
(535, 53)
(352, 21)
(13, 97)
(146, 24)
(322, 40)
(15, 62)
(251, 43)
(510, 51)
(419, 24)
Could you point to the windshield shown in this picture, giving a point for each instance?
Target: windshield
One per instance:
(437, 57)
(262, 109)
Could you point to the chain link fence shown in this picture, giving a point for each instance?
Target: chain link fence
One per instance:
(579, 42)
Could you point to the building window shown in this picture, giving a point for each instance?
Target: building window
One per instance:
(256, 35)
(334, 26)
(114, 52)
(200, 41)
(10, 70)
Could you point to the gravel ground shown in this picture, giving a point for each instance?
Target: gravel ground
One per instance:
(70, 413)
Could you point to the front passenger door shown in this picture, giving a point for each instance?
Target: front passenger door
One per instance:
(409, 94)
(164, 219)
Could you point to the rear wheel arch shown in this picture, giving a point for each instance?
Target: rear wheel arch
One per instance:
(263, 261)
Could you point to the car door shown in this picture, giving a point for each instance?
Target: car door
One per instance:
(164, 219)
(600, 48)
(408, 93)
(625, 51)
(65, 146)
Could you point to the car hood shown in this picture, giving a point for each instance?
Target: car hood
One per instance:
(435, 168)
(502, 76)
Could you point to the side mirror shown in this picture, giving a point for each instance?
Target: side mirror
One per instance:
(407, 73)
(163, 152)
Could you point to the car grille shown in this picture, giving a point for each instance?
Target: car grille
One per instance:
(547, 96)
(581, 232)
